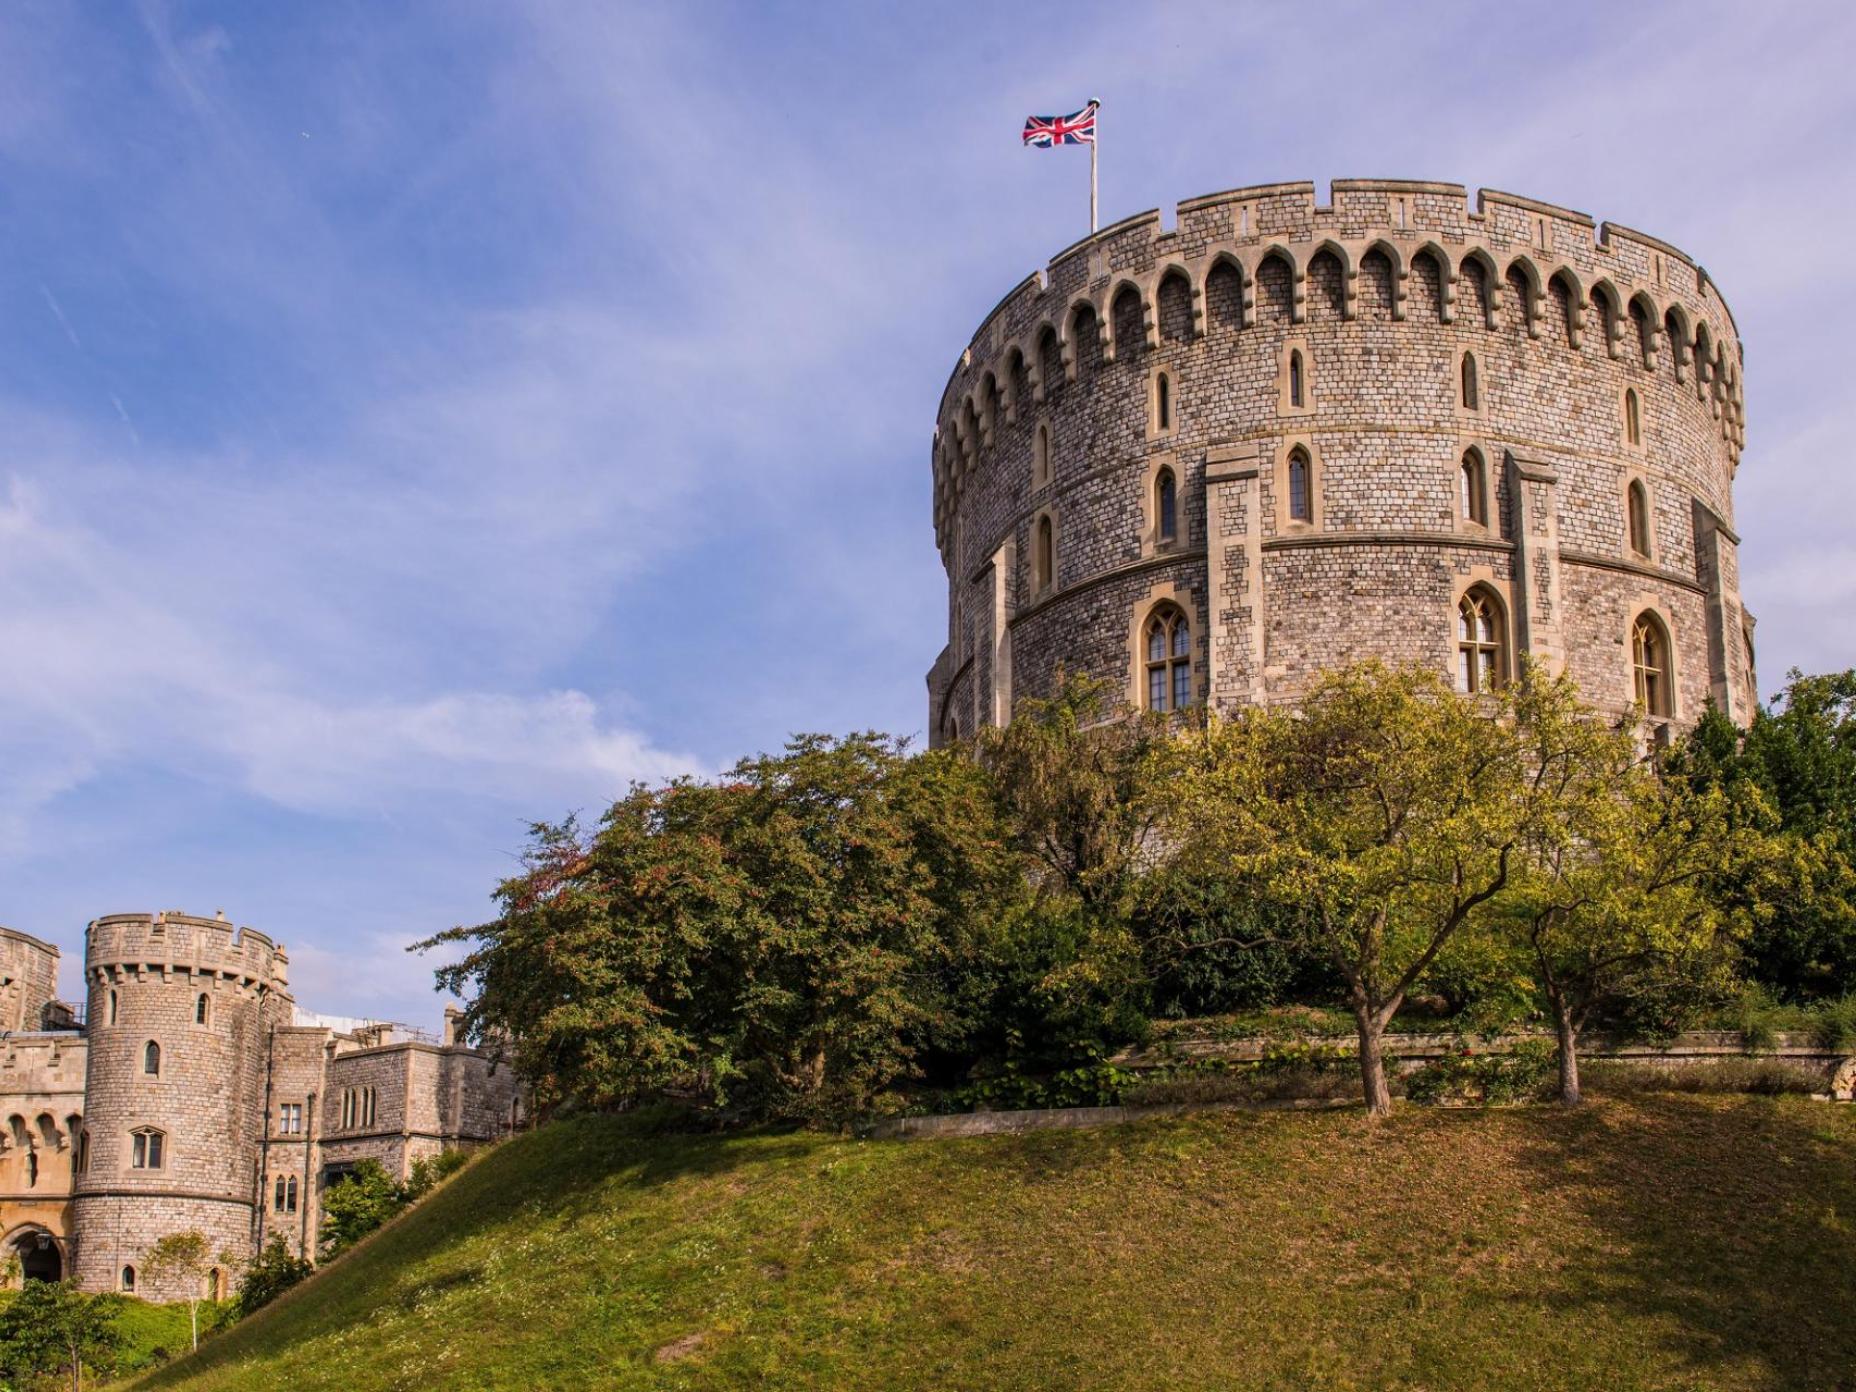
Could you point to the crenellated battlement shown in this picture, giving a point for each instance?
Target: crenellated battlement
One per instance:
(175, 941)
(1617, 291)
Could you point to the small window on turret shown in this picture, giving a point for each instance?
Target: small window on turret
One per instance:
(128, 1280)
(112, 1008)
(147, 1149)
(200, 1009)
(151, 1059)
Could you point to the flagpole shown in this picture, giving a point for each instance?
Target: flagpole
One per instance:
(1093, 225)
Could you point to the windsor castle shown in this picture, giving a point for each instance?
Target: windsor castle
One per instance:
(191, 1092)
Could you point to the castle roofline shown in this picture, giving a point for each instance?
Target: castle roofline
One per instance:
(28, 939)
(1605, 236)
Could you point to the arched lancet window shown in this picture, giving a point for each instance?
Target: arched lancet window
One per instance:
(284, 1194)
(112, 1008)
(32, 1168)
(1295, 378)
(1481, 642)
(147, 1149)
(1649, 654)
(128, 1280)
(1637, 507)
(1166, 506)
(151, 1059)
(1040, 457)
(1475, 489)
(83, 1153)
(1163, 402)
(215, 1285)
(200, 1008)
(1168, 646)
(1471, 396)
(1046, 559)
(1301, 494)
(1633, 420)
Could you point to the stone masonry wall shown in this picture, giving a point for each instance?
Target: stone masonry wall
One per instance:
(1382, 293)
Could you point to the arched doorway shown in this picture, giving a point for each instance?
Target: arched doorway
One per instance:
(39, 1257)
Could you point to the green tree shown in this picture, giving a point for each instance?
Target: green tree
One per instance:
(275, 1270)
(1611, 896)
(1076, 777)
(787, 939)
(1801, 754)
(51, 1326)
(356, 1204)
(1378, 819)
(189, 1256)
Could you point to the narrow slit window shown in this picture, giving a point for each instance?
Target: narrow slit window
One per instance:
(1639, 518)
(200, 1008)
(1163, 402)
(151, 1059)
(1633, 422)
(1046, 553)
(1301, 502)
(1295, 379)
(1166, 506)
(1475, 499)
(1471, 394)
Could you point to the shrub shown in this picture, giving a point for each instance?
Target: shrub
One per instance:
(429, 1171)
(1494, 1079)
(274, 1272)
(356, 1204)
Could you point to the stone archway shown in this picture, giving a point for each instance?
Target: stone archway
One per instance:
(39, 1257)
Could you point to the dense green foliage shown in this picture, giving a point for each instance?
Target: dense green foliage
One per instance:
(271, 1273)
(1649, 1243)
(847, 927)
(1800, 755)
(353, 1207)
(52, 1327)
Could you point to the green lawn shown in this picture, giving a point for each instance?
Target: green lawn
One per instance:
(1643, 1242)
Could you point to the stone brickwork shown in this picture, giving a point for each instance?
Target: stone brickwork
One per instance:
(108, 1146)
(1263, 324)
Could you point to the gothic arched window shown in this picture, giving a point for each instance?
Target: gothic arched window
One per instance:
(1045, 561)
(200, 1009)
(1168, 648)
(1166, 506)
(1649, 655)
(151, 1059)
(1481, 641)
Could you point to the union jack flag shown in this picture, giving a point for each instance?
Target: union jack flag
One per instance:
(1078, 128)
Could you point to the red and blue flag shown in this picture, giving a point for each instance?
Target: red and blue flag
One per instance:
(1078, 128)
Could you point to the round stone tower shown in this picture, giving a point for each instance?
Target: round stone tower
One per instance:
(28, 982)
(1206, 462)
(180, 1012)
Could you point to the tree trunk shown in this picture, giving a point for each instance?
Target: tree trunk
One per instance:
(1373, 1064)
(1569, 1054)
(193, 1316)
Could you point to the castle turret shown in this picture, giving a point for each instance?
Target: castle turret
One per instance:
(180, 1012)
(28, 981)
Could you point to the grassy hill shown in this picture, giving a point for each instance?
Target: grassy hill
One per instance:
(1644, 1242)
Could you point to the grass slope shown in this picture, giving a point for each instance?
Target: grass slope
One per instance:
(1643, 1242)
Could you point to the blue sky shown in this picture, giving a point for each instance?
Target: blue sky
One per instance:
(419, 420)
